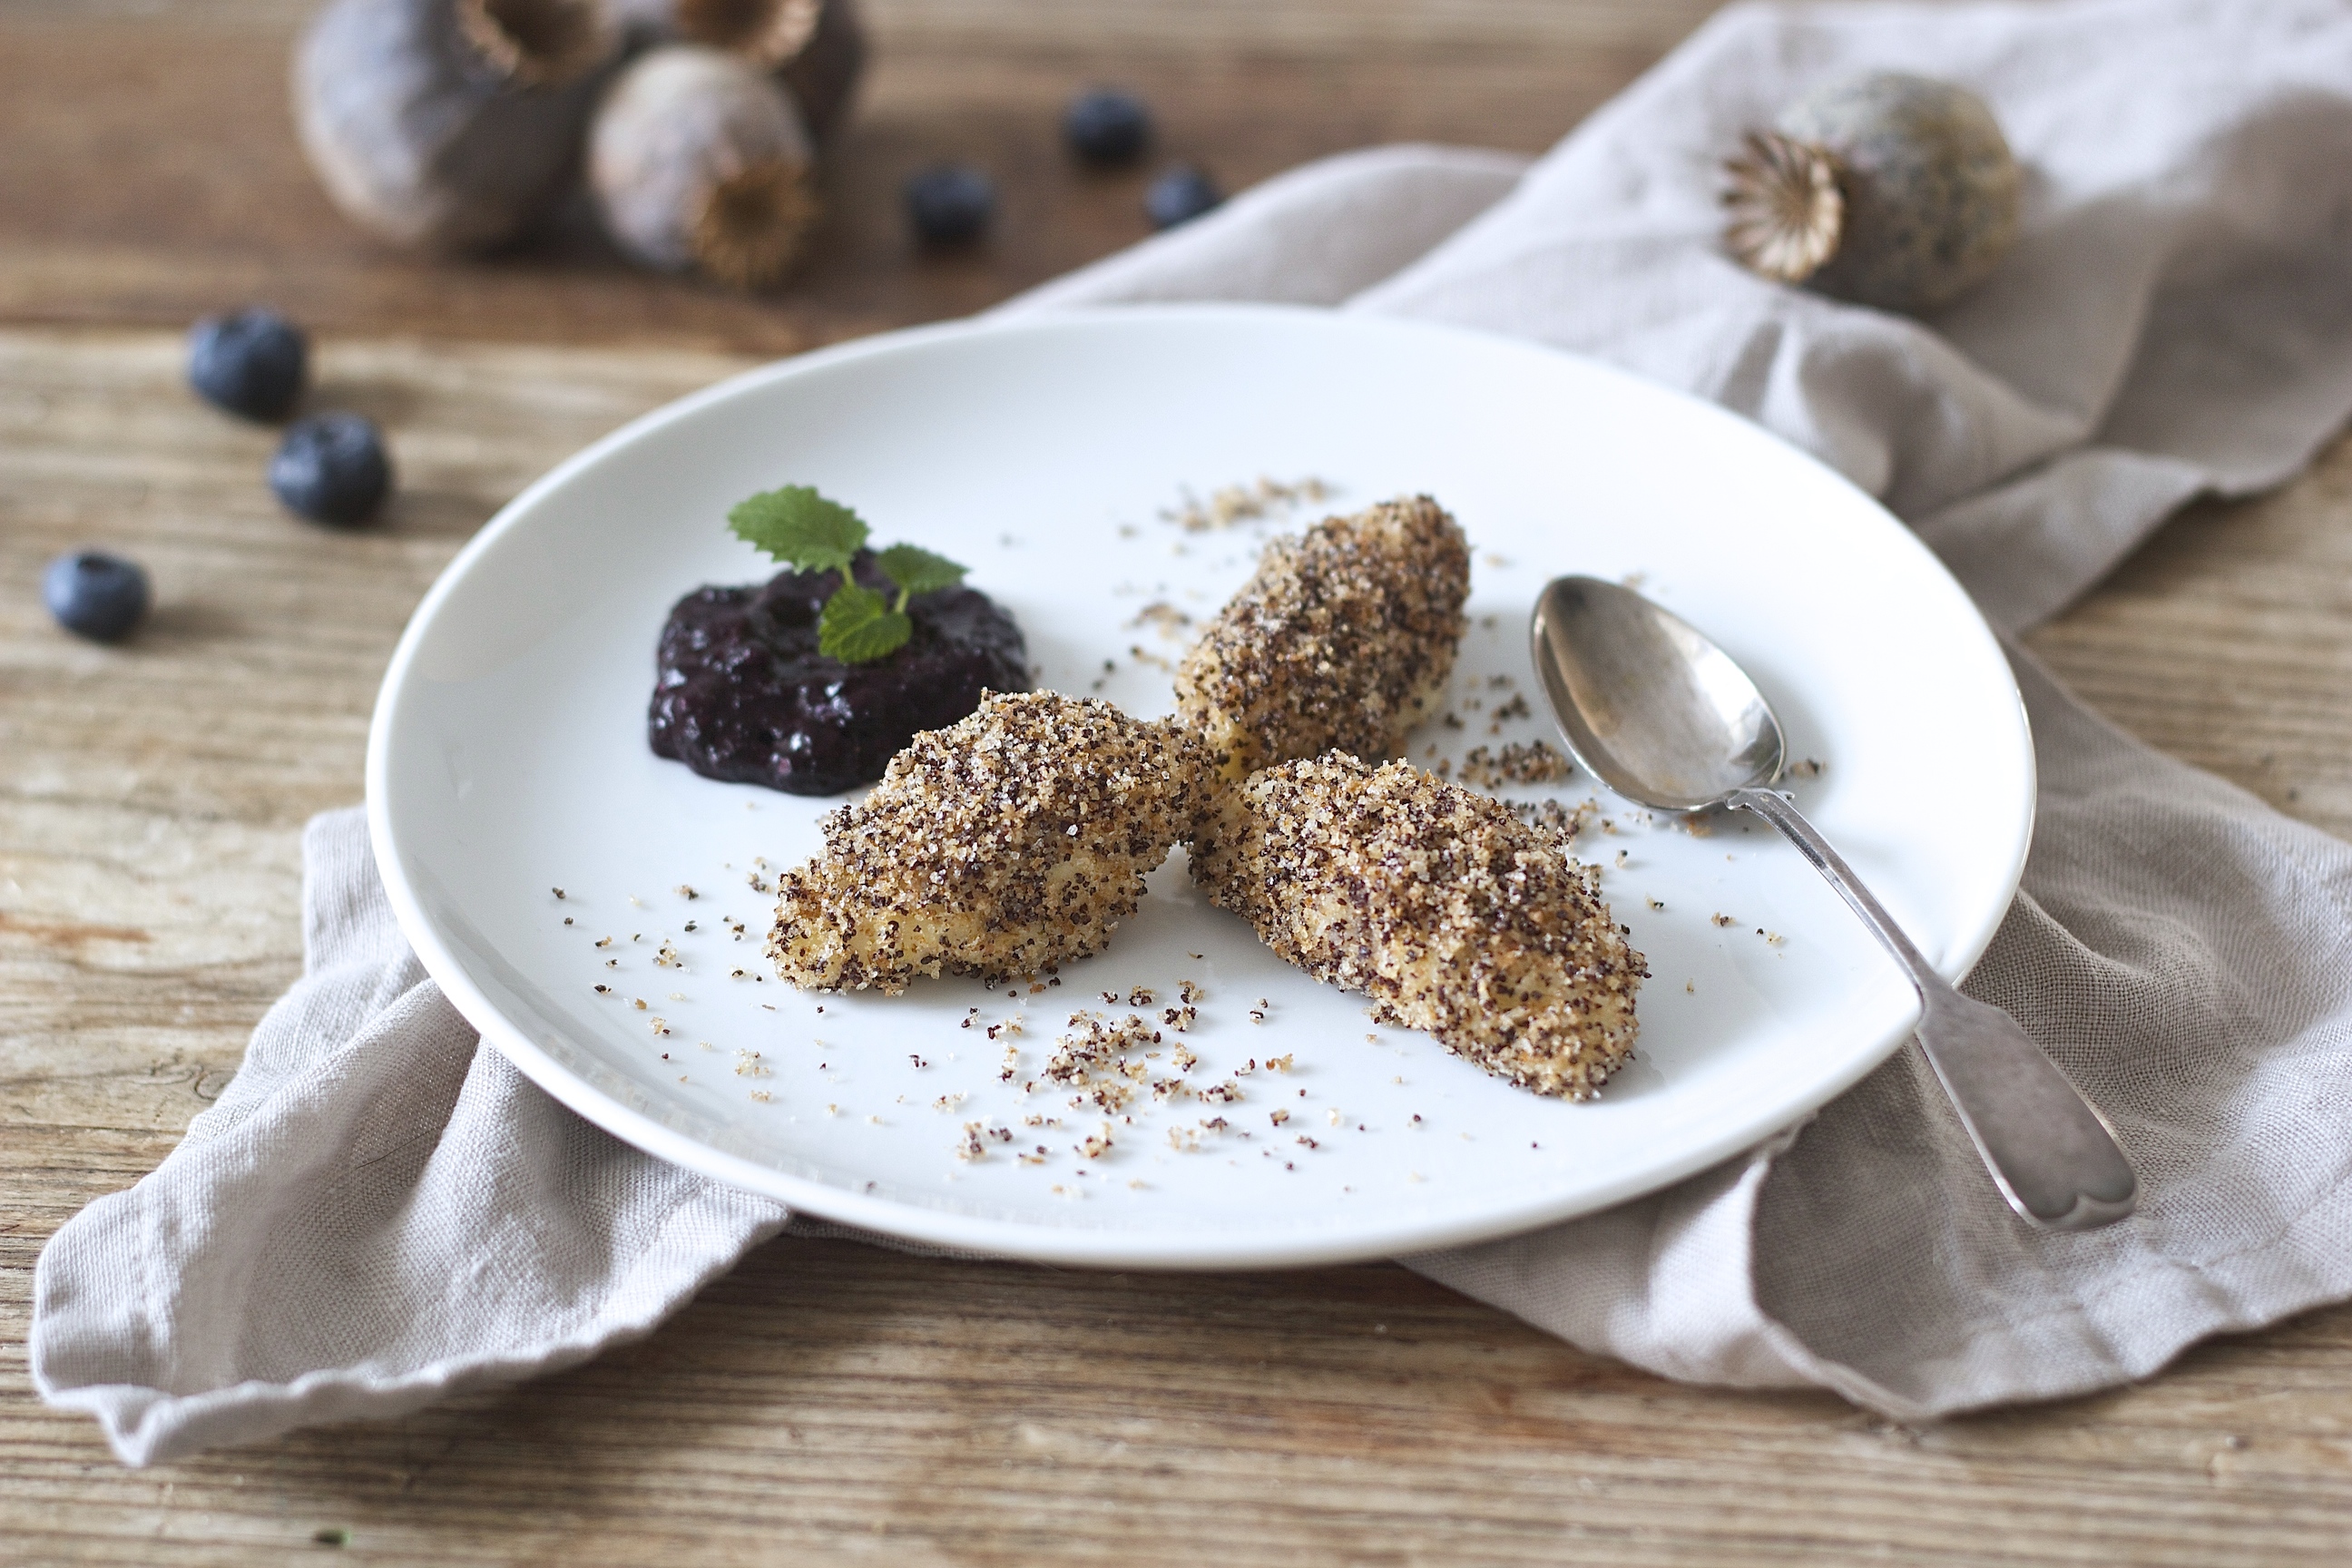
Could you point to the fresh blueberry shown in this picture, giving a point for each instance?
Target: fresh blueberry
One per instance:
(1180, 195)
(95, 595)
(1107, 127)
(950, 203)
(252, 363)
(331, 469)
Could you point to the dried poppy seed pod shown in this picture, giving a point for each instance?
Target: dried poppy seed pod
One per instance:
(698, 159)
(449, 123)
(1888, 190)
(816, 47)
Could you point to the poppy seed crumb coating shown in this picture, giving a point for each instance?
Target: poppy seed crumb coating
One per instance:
(1440, 904)
(1341, 641)
(1016, 838)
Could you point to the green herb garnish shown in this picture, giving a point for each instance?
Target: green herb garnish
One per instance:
(809, 533)
(916, 571)
(799, 527)
(858, 626)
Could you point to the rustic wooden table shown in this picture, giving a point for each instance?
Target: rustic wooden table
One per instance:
(829, 1398)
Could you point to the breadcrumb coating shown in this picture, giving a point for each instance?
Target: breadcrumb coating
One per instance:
(1451, 913)
(1341, 641)
(1014, 840)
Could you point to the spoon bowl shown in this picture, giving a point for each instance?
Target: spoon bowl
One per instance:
(1650, 707)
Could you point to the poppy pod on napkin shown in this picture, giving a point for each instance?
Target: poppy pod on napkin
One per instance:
(1886, 189)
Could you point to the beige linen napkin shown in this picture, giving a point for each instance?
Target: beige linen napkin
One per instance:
(379, 1210)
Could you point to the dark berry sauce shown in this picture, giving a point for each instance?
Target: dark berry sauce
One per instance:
(743, 695)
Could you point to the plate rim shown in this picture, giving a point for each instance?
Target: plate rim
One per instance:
(978, 1235)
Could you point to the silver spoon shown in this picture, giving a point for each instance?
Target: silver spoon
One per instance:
(1664, 718)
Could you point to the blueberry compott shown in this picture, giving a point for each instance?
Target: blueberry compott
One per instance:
(745, 694)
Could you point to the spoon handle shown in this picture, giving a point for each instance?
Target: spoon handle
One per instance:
(2052, 1156)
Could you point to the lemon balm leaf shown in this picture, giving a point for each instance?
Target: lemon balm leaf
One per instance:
(916, 571)
(857, 625)
(809, 532)
(799, 527)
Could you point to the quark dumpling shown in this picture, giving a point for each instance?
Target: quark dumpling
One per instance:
(1341, 641)
(1016, 838)
(1451, 913)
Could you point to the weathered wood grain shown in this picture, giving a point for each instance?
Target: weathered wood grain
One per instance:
(149, 172)
(2228, 643)
(838, 1401)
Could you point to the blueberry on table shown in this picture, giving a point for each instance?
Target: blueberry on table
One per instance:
(331, 469)
(96, 596)
(950, 203)
(1180, 195)
(253, 363)
(1107, 127)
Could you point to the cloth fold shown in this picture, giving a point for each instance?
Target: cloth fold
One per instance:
(379, 1210)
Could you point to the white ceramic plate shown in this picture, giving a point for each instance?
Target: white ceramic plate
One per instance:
(509, 758)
